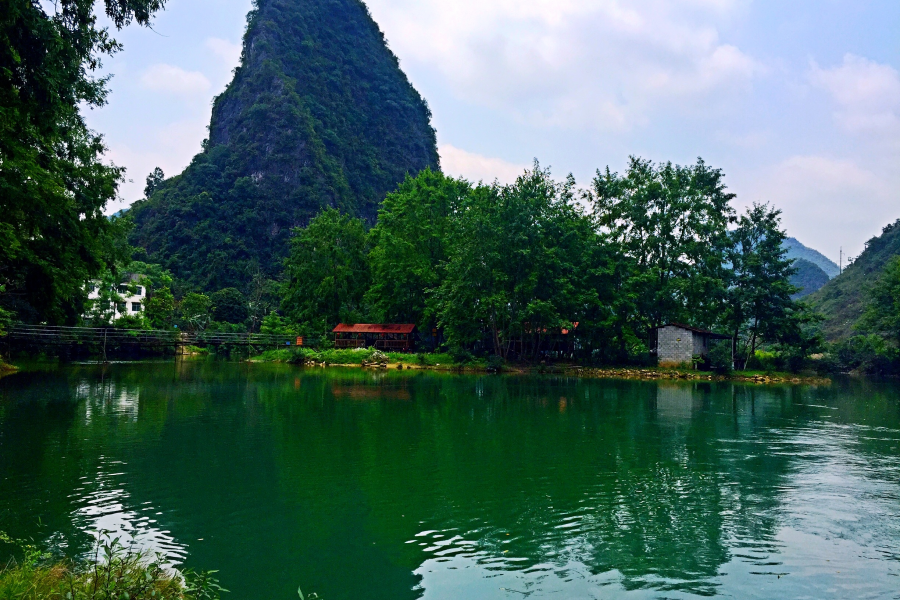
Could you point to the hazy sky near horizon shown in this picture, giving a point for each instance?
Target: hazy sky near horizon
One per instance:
(798, 102)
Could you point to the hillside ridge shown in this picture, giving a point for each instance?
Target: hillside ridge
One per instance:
(842, 300)
(797, 250)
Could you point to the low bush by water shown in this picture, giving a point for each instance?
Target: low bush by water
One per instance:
(356, 356)
(112, 572)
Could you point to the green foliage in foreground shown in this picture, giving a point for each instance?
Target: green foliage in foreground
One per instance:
(112, 572)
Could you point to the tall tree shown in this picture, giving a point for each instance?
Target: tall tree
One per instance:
(516, 266)
(328, 273)
(229, 306)
(760, 306)
(53, 184)
(409, 247)
(672, 222)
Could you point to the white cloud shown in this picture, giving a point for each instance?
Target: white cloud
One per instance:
(828, 202)
(607, 64)
(867, 94)
(229, 52)
(171, 148)
(174, 80)
(475, 167)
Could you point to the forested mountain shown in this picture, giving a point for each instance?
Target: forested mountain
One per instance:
(798, 251)
(843, 300)
(809, 278)
(318, 115)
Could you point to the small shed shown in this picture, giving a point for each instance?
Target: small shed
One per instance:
(397, 337)
(676, 345)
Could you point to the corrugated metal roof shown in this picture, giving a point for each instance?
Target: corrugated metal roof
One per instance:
(712, 334)
(375, 328)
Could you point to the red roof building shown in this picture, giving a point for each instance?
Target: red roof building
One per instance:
(383, 336)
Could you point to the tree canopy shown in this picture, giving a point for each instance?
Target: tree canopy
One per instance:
(327, 271)
(508, 269)
(53, 184)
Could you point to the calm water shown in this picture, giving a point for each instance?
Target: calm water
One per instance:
(406, 485)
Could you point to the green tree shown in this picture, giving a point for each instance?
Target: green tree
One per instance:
(160, 308)
(53, 185)
(760, 307)
(154, 181)
(263, 299)
(6, 317)
(671, 223)
(517, 265)
(882, 314)
(409, 247)
(229, 306)
(195, 311)
(328, 273)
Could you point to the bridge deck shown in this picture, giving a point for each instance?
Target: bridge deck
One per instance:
(53, 335)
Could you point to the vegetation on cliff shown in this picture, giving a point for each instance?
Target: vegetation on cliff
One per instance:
(809, 278)
(319, 115)
(843, 300)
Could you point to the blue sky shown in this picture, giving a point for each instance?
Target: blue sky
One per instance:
(798, 102)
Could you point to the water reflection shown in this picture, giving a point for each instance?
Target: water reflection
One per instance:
(406, 485)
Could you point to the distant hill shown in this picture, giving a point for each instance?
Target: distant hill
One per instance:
(842, 301)
(799, 251)
(318, 115)
(809, 278)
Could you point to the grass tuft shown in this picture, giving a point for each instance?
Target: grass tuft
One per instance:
(112, 572)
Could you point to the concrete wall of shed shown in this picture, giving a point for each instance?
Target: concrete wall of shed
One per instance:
(675, 346)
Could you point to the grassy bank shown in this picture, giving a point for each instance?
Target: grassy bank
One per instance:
(442, 361)
(112, 571)
(359, 357)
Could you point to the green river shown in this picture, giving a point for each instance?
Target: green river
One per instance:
(360, 485)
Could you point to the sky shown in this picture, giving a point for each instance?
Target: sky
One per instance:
(797, 102)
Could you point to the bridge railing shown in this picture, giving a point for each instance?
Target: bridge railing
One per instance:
(49, 334)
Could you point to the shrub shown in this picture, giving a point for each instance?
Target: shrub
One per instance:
(869, 354)
(229, 306)
(720, 358)
(494, 363)
(112, 571)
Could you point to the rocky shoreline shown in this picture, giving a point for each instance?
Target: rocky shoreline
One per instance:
(626, 373)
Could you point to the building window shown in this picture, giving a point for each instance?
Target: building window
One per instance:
(135, 307)
(123, 289)
(140, 291)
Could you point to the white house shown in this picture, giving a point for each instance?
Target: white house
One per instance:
(132, 302)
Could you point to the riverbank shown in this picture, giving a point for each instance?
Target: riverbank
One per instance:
(368, 358)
